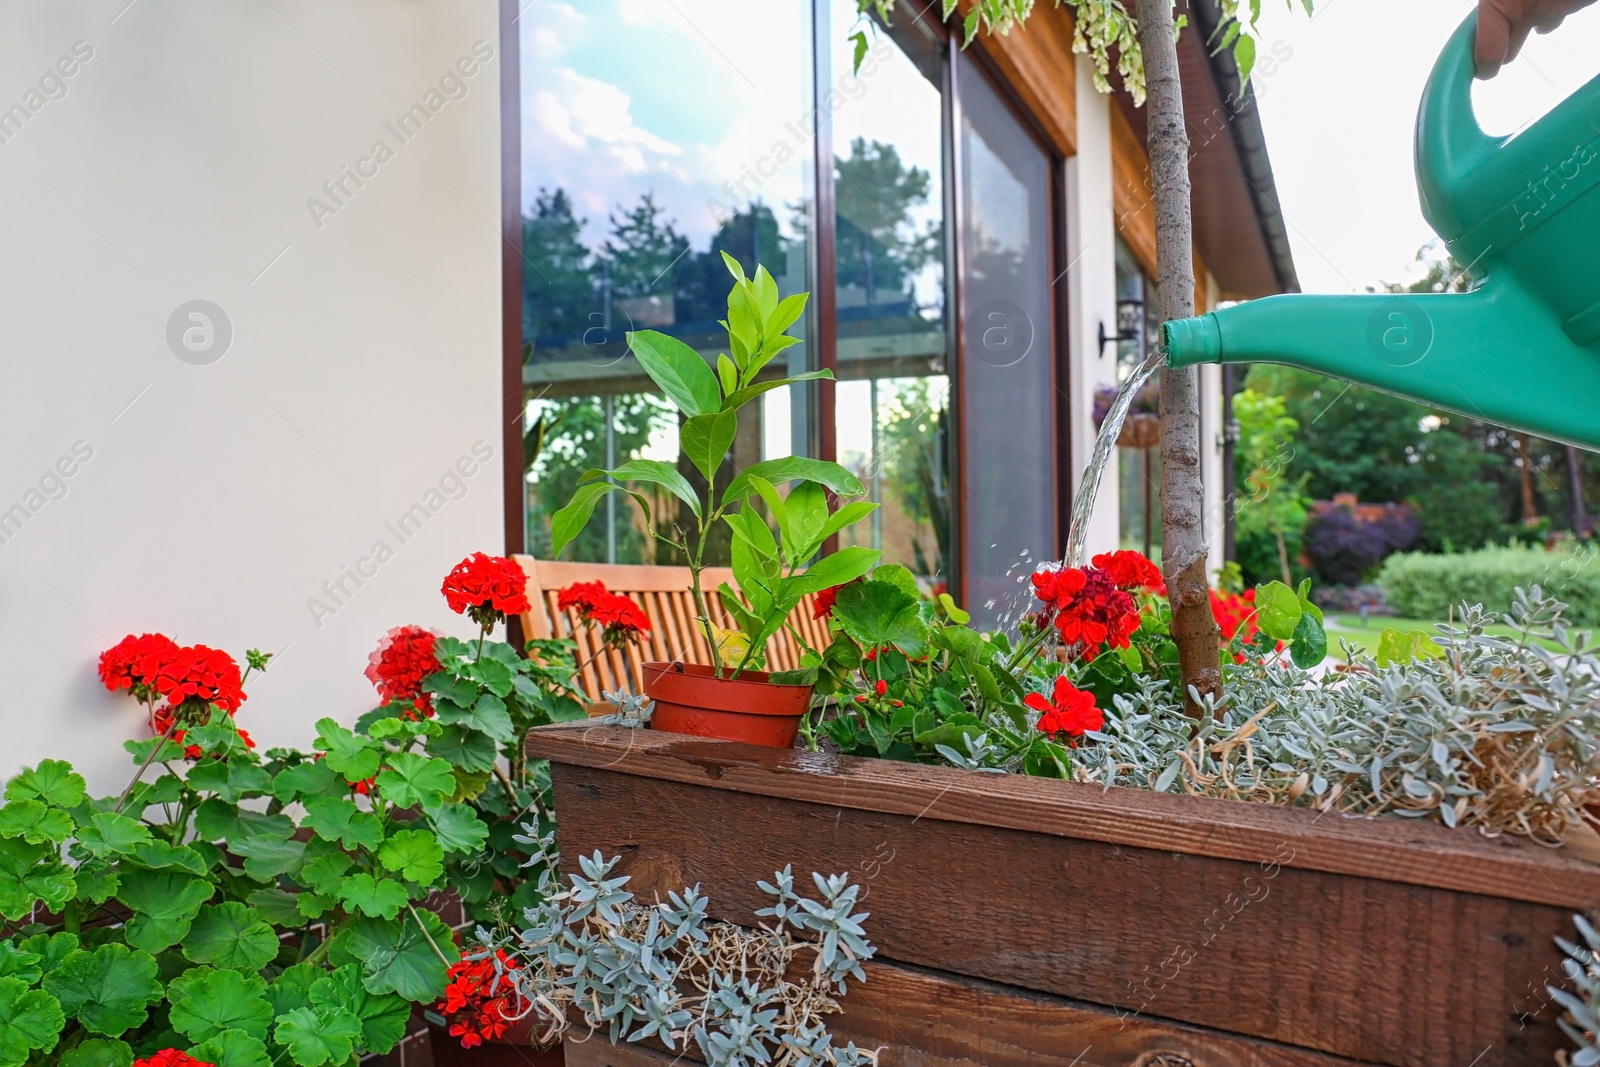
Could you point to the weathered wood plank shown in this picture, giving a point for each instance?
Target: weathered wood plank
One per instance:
(1391, 850)
(1375, 970)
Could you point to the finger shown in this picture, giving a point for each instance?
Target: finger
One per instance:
(1493, 47)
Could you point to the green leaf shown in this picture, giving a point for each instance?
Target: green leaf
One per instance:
(233, 1048)
(108, 833)
(413, 778)
(35, 822)
(18, 963)
(488, 716)
(231, 779)
(957, 616)
(53, 781)
(292, 988)
(899, 577)
(267, 857)
(30, 873)
(325, 871)
(107, 990)
(97, 881)
(208, 1002)
(569, 522)
(457, 827)
(880, 613)
(348, 753)
(743, 396)
(383, 1016)
(157, 854)
(395, 956)
(415, 855)
(315, 1038)
(1277, 610)
(100, 1052)
(52, 949)
(727, 374)
(340, 820)
(218, 820)
(1309, 645)
(164, 904)
(705, 439)
(657, 472)
(841, 568)
(679, 370)
(231, 935)
(383, 897)
(779, 471)
(847, 515)
(466, 748)
(1399, 647)
(29, 1019)
(1244, 57)
(277, 906)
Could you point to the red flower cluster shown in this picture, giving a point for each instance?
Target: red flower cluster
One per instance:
(1233, 611)
(153, 665)
(1087, 607)
(824, 604)
(1070, 711)
(396, 668)
(488, 588)
(475, 1005)
(1130, 570)
(171, 1057)
(134, 662)
(620, 619)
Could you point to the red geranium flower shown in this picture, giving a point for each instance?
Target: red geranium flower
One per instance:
(824, 604)
(476, 1004)
(1088, 609)
(584, 597)
(171, 1057)
(199, 673)
(488, 588)
(881, 688)
(134, 662)
(1070, 711)
(620, 619)
(396, 668)
(1129, 570)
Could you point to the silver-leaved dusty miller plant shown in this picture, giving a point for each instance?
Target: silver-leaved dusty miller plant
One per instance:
(1582, 1020)
(666, 971)
(632, 710)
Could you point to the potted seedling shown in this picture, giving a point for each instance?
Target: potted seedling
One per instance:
(776, 536)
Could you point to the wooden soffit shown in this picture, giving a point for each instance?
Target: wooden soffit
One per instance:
(1038, 65)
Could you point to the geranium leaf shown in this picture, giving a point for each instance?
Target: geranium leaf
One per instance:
(157, 854)
(348, 753)
(219, 820)
(292, 988)
(19, 963)
(99, 1052)
(488, 714)
(208, 1002)
(97, 880)
(109, 833)
(383, 1016)
(164, 903)
(51, 949)
(278, 906)
(306, 780)
(880, 613)
(265, 857)
(324, 872)
(231, 935)
(108, 990)
(413, 854)
(383, 897)
(412, 778)
(457, 827)
(232, 1048)
(465, 748)
(52, 781)
(30, 873)
(314, 905)
(29, 1019)
(396, 956)
(34, 822)
(231, 779)
(315, 1038)
(340, 819)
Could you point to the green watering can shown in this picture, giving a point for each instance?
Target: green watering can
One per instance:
(1523, 349)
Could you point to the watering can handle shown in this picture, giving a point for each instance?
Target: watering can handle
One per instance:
(1449, 142)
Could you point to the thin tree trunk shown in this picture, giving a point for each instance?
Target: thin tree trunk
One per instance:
(1283, 555)
(1530, 511)
(1183, 540)
(1580, 514)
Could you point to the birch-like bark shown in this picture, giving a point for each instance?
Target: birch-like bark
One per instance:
(1183, 539)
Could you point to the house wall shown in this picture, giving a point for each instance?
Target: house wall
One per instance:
(224, 495)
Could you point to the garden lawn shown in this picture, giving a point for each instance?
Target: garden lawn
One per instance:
(1349, 629)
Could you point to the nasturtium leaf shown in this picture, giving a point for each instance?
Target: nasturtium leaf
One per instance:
(30, 873)
(383, 897)
(398, 955)
(265, 857)
(465, 748)
(413, 854)
(457, 827)
(412, 778)
(34, 821)
(207, 1002)
(51, 949)
(108, 833)
(348, 753)
(339, 819)
(232, 1048)
(109, 990)
(231, 935)
(1399, 647)
(1277, 610)
(99, 1052)
(304, 781)
(292, 988)
(1310, 643)
(324, 872)
(157, 854)
(383, 1016)
(52, 781)
(315, 1038)
(277, 906)
(488, 714)
(19, 963)
(29, 1019)
(164, 903)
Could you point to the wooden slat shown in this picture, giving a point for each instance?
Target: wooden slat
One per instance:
(1398, 850)
(1097, 899)
(1036, 62)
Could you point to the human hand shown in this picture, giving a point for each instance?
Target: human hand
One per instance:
(1504, 25)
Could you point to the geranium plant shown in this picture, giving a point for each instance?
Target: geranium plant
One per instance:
(773, 554)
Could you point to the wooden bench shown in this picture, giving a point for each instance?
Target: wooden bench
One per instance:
(664, 595)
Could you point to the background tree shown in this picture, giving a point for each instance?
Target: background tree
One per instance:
(1271, 508)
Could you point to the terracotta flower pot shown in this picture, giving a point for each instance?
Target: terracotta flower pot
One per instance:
(515, 1049)
(691, 699)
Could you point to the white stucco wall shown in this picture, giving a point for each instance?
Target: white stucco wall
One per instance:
(178, 162)
(1092, 293)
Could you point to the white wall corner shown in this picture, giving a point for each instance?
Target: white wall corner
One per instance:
(1211, 431)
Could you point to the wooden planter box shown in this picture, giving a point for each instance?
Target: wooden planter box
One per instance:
(1026, 921)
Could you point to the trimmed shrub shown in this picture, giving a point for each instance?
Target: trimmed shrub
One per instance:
(1424, 586)
(1345, 546)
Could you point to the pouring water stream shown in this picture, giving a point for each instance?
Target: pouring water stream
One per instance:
(1110, 430)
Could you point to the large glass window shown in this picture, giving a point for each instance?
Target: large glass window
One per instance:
(654, 137)
(893, 397)
(1007, 378)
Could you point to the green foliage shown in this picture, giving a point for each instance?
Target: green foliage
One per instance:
(1270, 508)
(108, 990)
(1426, 586)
